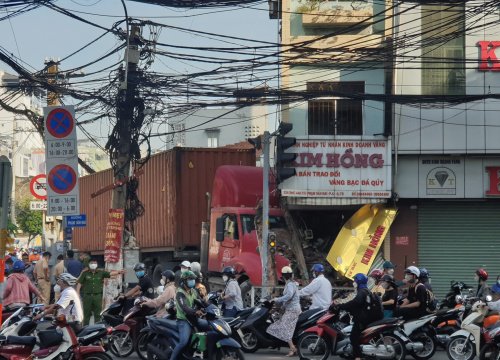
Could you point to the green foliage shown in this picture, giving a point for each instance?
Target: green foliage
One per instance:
(29, 221)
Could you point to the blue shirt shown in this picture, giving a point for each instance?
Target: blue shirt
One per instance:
(74, 267)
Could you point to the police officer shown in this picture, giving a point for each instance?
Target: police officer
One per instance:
(90, 287)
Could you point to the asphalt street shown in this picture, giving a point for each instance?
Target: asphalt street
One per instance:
(280, 354)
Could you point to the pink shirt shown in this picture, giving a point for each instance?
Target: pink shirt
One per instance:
(160, 302)
(18, 290)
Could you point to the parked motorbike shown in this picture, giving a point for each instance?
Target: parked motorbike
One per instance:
(123, 339)
(253, 334)
(331, 336)
(20, 323)
(211, 337)
(60, 342)
(466, 343)
(491, 348)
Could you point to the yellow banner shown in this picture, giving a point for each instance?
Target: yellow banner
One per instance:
(360, 239)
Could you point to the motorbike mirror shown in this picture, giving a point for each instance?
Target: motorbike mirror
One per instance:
(489, 298)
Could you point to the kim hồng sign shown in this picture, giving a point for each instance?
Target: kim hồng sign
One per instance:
(340, 168)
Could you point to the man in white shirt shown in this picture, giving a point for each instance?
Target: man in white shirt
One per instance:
(69, 304)
(320, 289)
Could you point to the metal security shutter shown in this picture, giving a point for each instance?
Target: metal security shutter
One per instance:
(456, 238)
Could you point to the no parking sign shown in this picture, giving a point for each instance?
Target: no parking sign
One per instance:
(61, 154)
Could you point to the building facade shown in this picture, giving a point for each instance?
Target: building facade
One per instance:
(433, 152)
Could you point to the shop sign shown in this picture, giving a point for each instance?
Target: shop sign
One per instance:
(113, 237)
(494, 181)
(441, 177)
(347, 168)
(402, 240)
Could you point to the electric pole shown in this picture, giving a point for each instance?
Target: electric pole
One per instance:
(125, 113)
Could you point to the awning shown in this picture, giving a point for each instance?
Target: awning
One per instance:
(360, 239)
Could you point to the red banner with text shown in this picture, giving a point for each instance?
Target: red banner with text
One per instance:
(114, 233)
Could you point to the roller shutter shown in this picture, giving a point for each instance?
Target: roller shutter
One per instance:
(456, 238)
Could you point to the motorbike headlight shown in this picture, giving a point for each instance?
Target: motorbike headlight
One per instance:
(256, 310)
(221, 329)
(217, 312)
(459, 299)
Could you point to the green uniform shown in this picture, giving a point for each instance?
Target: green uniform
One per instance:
(190, 298)
(91, 292)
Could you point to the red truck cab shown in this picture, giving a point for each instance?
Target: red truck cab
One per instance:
(236, 193)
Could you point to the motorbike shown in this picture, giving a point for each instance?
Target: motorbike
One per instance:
(211, 337)
(252, 332)
(465, 343)
(331, 336)
(20, 323)
(446, 322)
(491, 348)
(123, 339)
(419, 337)
(60, 342)
(458, 291)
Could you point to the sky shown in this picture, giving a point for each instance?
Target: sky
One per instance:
(43, 33)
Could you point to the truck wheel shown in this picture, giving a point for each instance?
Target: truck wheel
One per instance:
(245, 287)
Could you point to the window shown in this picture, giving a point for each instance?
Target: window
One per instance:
(443, 50)
(334, 115)
(213, 138)
(248, 223)
(231, 227)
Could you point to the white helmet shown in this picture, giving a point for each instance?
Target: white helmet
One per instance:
(195, 267)
(68, 279)
(186, 264)
(413, 270)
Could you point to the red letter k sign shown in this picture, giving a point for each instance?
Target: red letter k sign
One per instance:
(488, 60)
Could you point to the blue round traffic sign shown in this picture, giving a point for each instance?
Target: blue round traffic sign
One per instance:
(60, 123)
(62, 179)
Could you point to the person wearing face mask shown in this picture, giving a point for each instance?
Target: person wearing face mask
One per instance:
(90, 288)
(425, 278)
(494, 304)
(414, 306)
(388, 268)
(169, 290)
(361, 310)
(320, 289)
(482, 287)
(233, 302)
(187, 314)
(144, 287)
(374, 282)
(390, 297)
(69, 303)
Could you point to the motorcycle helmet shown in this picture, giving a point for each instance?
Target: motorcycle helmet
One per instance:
(483, 275)
(18, 266)
(169, 275)
(389, 279)
(388, 265)
(188, 275)
(495, 289)
(318, 268)
(195, 267)
(68, 279)
(413, 270)
(139, 267)
(424, 274)
(229, 271)
(361, 280)
(376, 274)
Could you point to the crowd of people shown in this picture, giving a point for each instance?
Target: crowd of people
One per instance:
(78, 293)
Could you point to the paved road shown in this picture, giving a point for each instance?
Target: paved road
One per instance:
(275, 355)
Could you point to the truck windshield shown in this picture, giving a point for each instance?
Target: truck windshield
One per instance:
(275, 222)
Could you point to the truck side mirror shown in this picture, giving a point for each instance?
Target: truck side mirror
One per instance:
(219, 229)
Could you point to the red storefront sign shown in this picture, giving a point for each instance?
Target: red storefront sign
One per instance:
(494, 176)
(488, 60)
(114, 233)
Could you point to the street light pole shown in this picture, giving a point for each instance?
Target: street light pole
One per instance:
(265, 215)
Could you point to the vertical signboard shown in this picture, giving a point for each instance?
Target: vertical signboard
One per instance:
(61, 155)
(114, 233)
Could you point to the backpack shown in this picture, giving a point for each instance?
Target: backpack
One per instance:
(374, 307)
(430, 302)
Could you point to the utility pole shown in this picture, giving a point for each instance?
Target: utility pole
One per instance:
(125, 113)
(266, 139)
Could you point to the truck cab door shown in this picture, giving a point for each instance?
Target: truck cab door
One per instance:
(229, 247)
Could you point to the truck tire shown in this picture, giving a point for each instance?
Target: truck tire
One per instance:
(245, 287)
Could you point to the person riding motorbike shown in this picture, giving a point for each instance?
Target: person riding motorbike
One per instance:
(186, 298)
(169, 291)
(233, 302)
(414, 306)
(200, 287)
(374, 282)
(494, 304)
(425, 278)
(18, 288)
(359, 309)
(320, 289)
(390, 297)
(482, 287)
(145, 285)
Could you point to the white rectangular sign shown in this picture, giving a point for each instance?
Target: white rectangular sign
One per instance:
(61, 155)
(38, 205)
(340, 168)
